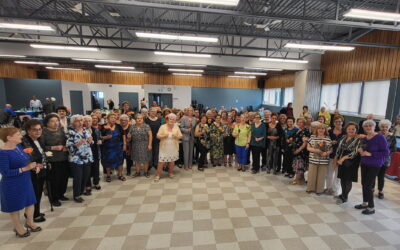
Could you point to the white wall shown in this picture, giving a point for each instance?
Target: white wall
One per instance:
(181, 95)
(300, 84)
(109, 90)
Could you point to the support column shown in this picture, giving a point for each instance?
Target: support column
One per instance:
(307, 91)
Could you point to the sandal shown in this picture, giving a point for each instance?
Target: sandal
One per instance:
(156, 178)
(108, 179)
(121, 178)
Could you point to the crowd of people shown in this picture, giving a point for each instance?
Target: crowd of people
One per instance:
(325, 153)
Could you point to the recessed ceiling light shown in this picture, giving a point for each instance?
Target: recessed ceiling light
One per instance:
(185, 65)
(250, 73)
(164, 53)
(182, 74)
(265, 69)
(127, 71)
(246, 77)
(96, 60)
(219, 2)
(13, 56)
(114, 14)
(25, 26)
(177, 37)
(63, 47)
(37, 63)
(319, 47)
(282, 60)
(187, 70)
(62, 68)
(373, 15)
(113, 67)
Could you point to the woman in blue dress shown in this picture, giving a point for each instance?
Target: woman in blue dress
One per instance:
(112, 155)
(16, 189)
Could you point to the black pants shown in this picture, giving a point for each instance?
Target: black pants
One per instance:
(264, 157)
(196, 153)
(381, 178)
(288, 162)
(202, 155)
(368, 176)
(59, 174)
(272, 158)
(279, 162)
(38, 181)
(256, 152)
(155, 147)
(94, 173)
(80, 173)
(346, 188)
(129, 163)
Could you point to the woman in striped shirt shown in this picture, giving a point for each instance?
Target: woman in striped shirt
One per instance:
(320, 147)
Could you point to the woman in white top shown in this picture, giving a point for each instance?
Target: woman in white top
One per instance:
(169, 135)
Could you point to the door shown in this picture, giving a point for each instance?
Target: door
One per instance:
(163, 100)
(76, 102)
(131, 97)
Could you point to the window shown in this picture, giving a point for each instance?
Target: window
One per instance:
(375, 97)
(329, 94)
(288, 96)
(272, 96)
(349, 98)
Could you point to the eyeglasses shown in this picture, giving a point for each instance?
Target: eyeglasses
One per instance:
(35, 129)
(258, 117)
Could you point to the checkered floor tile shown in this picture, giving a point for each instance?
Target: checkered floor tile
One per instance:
(219, 208)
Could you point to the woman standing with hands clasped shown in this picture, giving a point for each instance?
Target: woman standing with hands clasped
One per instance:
(257, 142)
(242, 133)
(16, 190)
(202, 133)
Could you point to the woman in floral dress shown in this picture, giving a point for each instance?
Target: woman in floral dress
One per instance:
(217, 142)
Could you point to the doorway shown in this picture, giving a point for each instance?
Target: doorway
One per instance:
(97, 99)
(76, 99)
(163, 100)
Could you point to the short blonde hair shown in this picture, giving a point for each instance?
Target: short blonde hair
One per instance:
(5, 132)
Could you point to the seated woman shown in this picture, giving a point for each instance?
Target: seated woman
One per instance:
(16, 189)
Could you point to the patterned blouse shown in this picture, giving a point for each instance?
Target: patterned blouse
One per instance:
(204, 139)
(348, 147)
(298, 141)
(82, 154)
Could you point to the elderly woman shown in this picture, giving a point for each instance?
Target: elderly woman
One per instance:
(141, 137)
(288, 147)
(305, 112)
(187, 126)
(229, 141)
(257, 142)
(126, 127)
(274, 137)
(373, 153)
(112, 155)
(169, 135)
(80, 155)
(155, 123)
(300, 159)
(332, 182)
(202, 133)
(217, 142)
(16, 190)
(54, 141)
(33, 140)
(91, 123)
(384, 126)
(396, 127)
(347, 160)
(242, 134)
(324, 113)
(320, 147)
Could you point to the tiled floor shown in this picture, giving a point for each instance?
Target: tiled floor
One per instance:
(217, 209)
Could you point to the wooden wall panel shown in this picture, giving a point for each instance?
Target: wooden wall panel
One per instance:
(280, 81)
(90, 76)
(364, 63)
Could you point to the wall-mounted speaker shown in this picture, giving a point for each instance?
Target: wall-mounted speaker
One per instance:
(261, 83)
(42, 74)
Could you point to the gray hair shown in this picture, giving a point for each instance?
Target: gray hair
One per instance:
(87, 117)
(124, 116)
(369, 122)
(267, 111)
(171, 116)
(144, 109)
(385, 122)
(74, 117)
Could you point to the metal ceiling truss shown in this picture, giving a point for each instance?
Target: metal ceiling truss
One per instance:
(238, 28)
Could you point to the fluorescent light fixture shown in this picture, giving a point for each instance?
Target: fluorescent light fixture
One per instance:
(13, 56)
(250, 73)
(37, 63)
(373, 15)
(62, 68)
(319, 47)
(96, 60)
(247, 77)
(127, 71)
(177, 37)
(219, 2)
(164, 53)
(185, 65)
(63, 47)
(182, 74)
(25, 26)
(113, 67)
(187, 70)
(263, 69)
(268, 59)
